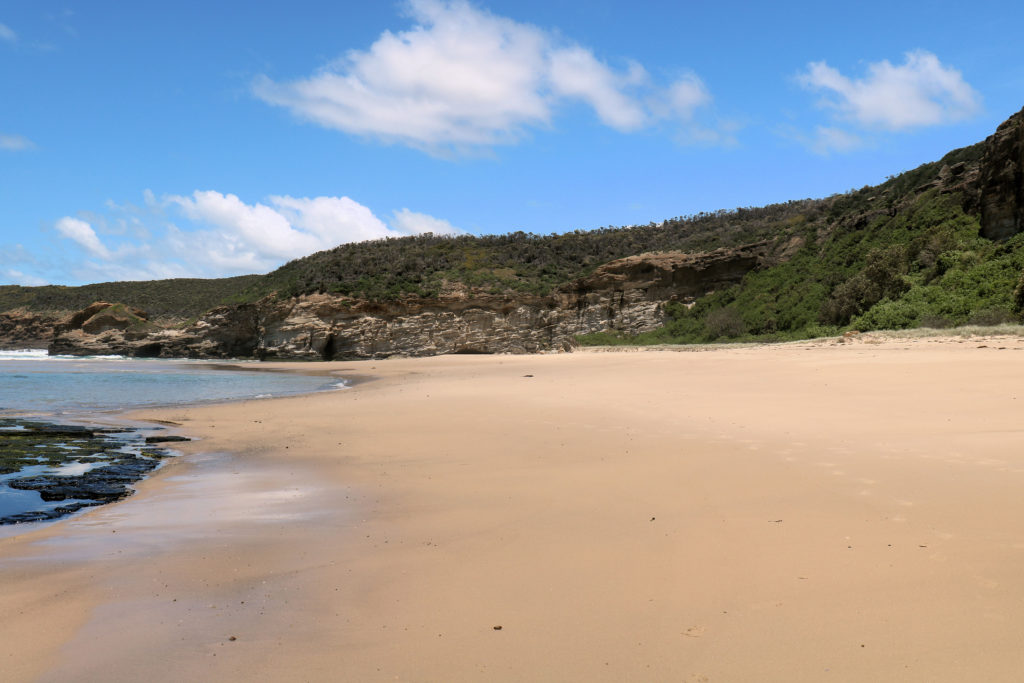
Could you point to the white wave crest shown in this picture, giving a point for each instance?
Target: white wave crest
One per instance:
(23, 354)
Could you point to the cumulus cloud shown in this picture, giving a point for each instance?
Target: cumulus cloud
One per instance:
(920, 92)
(8, 34)
(212, 234)
(460, 76)
(463, 77)
(331, 220)
(412, 223)
(14, 143)
(258, 227)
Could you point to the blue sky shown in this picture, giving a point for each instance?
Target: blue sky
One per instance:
(188, 139)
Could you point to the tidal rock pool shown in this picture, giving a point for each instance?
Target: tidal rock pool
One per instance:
(49, 470)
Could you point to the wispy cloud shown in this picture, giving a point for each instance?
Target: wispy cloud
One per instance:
(15, 259)
(575, 72)
(14, 276)
(824, 140)
(920, 92)
(464, 78)
(14, 143)
(827, 139)
(81, 233)
(7, 34)
(687, 94)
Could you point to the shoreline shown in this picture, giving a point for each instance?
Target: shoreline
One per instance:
(119, 418)
(755, 513)
(50, 469)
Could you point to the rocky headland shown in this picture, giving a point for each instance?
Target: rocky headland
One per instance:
(626, 294)
(20, 329)
(932, 228)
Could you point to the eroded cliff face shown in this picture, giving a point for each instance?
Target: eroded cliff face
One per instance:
(627, 295)
(24, 330)
(1001, 183)
(108, 329)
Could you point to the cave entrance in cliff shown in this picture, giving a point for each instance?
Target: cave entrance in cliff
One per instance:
(149, 350)
(330, 348)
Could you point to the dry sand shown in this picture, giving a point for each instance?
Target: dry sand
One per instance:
(802, 512)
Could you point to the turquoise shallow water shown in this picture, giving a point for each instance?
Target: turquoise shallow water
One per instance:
(31, 382)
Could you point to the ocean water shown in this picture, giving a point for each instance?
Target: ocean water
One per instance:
(32, 382)
(36, 389)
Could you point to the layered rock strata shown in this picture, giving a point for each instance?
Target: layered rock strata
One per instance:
(627, 295)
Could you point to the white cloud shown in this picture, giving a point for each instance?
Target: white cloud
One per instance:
(331, 220)
(17, 277)
(262, 230)
(824, 140)
(459, 77)
(8, 34)
(209, 253)
(412, 223)
(463, 78)
(575, 72)
(828, 139)
(81, 232)
(14, 142)
(687, 94)
(919, 92)
(224, 235)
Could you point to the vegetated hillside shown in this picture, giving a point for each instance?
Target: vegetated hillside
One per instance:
(935, 246)
(901, 254)
(907, 253)
(180, 298)
(427, 265)
(520, 262)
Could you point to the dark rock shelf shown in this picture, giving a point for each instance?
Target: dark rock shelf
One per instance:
(73, 466)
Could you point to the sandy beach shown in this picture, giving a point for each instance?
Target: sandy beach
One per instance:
(800, 512)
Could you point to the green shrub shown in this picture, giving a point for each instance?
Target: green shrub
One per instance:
(881, 277)
(888, 315)
(935, 322)
(725, 322)
(991, 316)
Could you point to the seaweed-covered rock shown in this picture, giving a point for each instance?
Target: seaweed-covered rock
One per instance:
(166, 438)
(103, 484)
(45, 454)
(46, 515)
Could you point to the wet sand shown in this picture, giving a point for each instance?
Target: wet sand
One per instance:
(800, 512)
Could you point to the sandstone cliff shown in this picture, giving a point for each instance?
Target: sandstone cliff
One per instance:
(627, 294)
(24, 330)
(102, 328)
(1001, 185)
